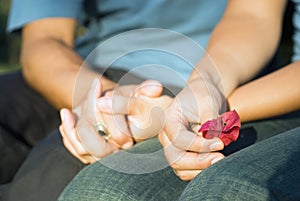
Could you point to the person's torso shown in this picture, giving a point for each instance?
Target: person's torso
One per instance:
(155, 36)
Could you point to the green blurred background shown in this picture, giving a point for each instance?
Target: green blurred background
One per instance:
(9, 44)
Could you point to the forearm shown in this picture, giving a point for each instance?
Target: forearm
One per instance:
(52, 67)
(240, 46)
(274, 94)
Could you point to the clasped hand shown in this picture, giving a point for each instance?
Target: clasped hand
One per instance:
(78, 127)
(148, 114)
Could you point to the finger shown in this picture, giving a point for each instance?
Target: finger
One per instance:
(67, 125)
(61, 131)
(127, 103)
(96, 88)
(74, 140)
(178, 133)
(95, 144)
(182, 160)
(163, 139)
(85, 159)
(76, 148)
(70, 132)
(192, 160)
(93, 94)
(70, 147)
(77, 144)
(125, 90)
(118, 129)
(149, 88)
(171, 152)
(132, 105)
(187, 175)
(67, 118)
(187, 140)
(118, 104)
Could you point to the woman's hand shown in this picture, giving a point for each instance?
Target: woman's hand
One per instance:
(188, 152)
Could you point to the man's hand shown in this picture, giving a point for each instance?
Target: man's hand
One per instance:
(79, 132)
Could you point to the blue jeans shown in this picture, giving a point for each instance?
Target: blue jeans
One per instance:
(25, 119)
(34, 164)
(268, 170)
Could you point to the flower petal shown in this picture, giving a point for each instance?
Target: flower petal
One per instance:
(226, 127)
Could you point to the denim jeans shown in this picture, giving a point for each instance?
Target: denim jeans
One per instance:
(268, 170)
(35, 165)
(25, 118)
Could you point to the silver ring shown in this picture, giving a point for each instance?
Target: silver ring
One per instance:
(102, 130)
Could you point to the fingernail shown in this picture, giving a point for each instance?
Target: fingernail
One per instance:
(105, 103)
(216, 160)
(215, 146)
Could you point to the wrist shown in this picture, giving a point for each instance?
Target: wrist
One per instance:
(213, 72)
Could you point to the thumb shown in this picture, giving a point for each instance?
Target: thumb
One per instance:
(67, 118)
(149, 88)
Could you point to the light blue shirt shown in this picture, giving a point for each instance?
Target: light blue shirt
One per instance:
(296, 37)
(155, 39)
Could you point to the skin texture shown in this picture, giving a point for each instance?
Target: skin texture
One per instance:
(236, 49)
(239, 47)
(271, 95)
(47, 70)
(55, 73)
(81, 137)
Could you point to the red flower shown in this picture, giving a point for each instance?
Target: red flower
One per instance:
(226, 127)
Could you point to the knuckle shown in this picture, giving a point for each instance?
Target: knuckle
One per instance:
(218, 155)
(175, 165)
(183, 175)
(175, 161)
(81, 151)
(62, 131)
(174, 140)
(65, 143)
(203, 157)
(121, 140)
(83, 160)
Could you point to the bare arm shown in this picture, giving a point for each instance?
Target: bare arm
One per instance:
(50, 65)
(274, 94)
(240, 45)
(243, 41)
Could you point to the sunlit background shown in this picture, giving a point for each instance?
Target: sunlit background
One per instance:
(9, 44)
